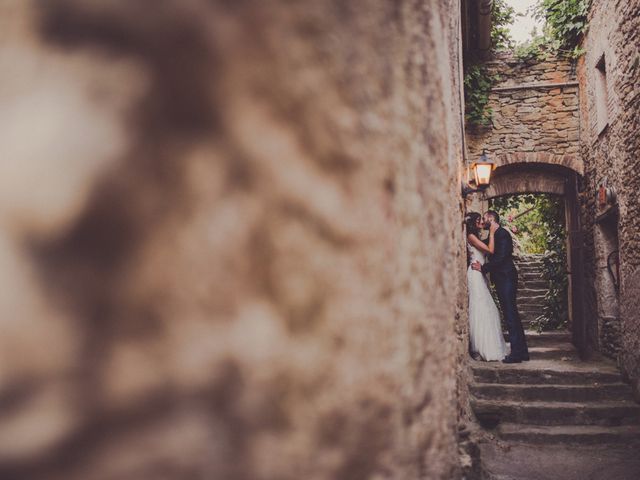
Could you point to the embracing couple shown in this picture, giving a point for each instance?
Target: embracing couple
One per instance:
(493, 256)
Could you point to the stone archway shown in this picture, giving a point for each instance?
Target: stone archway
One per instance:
(572, 162)
(534, 175)
(525, 182)
(558, 175)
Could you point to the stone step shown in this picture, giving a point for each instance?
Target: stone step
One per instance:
(535, 280)
(530, 310)
(537, 308)
(533, 292)
(557, 393)
(531, 276)
(529, 313)
(528, 297)
(520, 260)
(530, 292)
(572, 434)
(547, 372)
(546, 338)
(532, 284)
(606, 413)
(533, 307)
(530, 270)
(562, 352)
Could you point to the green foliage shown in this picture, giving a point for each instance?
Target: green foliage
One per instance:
(539, 223)
(565, 23)
(566, 20)
(531, 218)
(502, 16)
(555, 314)
(477, 80)
(535, 49)
(477, 87)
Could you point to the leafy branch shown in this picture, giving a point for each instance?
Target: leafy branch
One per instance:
(565, 23)
(502, 16)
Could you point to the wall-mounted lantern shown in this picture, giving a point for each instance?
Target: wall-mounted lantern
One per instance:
(606, 195)
(481, 171)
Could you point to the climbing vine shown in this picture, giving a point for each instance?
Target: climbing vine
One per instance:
(565, 22)
(477, 79)
(502, 16)
(477, 87)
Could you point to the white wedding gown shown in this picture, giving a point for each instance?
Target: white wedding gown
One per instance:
(485, 330)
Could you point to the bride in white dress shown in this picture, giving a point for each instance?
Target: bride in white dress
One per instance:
(485, 330)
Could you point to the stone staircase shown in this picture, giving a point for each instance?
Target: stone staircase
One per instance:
(531, 288)
(554, 398)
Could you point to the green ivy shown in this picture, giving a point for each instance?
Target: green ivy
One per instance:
(535, 49)
(477, 80)
(502, 16)
(477, 87)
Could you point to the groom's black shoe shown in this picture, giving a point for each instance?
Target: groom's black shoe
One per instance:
(510, 359)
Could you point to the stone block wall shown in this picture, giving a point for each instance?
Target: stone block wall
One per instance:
(611, 151)
(535, 112)
(231, 240)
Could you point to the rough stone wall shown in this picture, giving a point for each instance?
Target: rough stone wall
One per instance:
(614, 32)
(531, 124)
(231, 240)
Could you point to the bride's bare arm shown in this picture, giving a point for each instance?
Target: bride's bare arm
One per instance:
(480, 245)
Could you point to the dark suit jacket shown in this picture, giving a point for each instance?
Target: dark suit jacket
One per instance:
(501, 264)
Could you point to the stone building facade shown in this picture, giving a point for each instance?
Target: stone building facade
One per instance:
(535, 113)
(610, 142)
(231, 240)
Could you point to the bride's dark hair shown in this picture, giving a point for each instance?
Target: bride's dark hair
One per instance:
(470, 222)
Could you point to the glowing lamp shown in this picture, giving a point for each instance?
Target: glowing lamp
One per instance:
(481, 170)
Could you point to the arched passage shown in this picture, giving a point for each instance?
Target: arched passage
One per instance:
(558, 175)
(568, 161)
(534, 177)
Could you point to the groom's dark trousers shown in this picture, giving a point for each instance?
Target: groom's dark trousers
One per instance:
(504, 277)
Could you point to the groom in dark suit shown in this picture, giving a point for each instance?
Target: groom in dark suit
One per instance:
(504, 277)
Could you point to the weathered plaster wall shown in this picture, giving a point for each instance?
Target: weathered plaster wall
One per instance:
(231, 240)
(531, 122)
(614, 32)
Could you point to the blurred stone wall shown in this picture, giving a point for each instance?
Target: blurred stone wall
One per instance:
(231, 240)
(611, 151)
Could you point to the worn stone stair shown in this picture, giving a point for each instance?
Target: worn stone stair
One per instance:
(554, 398)
(532, 288)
